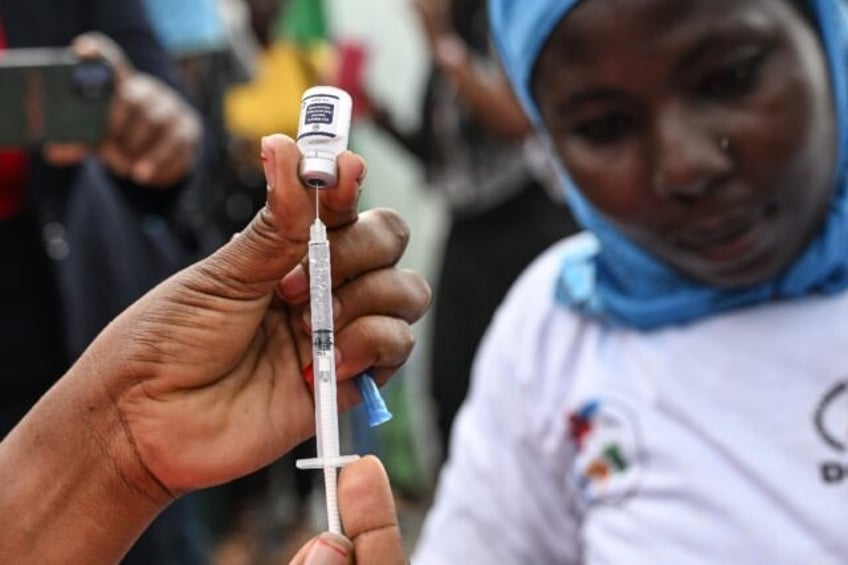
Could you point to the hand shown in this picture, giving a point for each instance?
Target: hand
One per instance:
(204, 373)
(369, 519)
(152, 134)
(200, 381)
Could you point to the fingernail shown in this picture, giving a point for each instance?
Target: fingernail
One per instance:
(329, 549)
(267, 157)
(364, 172)
(295, 285)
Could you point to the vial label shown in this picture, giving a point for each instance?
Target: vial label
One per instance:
(319, 116)
(322, 134)
(319, 113)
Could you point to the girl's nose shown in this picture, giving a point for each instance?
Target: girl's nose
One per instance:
(688, 156)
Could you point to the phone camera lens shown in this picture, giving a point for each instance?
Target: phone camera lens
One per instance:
(92, 79)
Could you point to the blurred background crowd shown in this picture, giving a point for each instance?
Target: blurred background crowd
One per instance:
(83, 231)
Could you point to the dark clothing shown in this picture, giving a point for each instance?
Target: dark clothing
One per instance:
(31, 347)
(41, 23)
(501, 217)
(35, 347)
(85, 245)
(483, 256)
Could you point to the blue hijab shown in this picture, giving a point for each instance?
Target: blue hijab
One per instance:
(611, 277)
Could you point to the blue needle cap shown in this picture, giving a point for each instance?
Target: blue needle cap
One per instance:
(374, 404)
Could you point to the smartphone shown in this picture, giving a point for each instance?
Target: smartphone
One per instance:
(49, 95)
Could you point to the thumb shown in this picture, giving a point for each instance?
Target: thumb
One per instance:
(368, 512)
(275, 240)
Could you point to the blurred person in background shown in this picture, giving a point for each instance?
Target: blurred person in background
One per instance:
(86, 230)
(212, 48)
(476, 146)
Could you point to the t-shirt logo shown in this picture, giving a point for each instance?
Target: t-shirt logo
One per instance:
(831, 420)
(610, 459)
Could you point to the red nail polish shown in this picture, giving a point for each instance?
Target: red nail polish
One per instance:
(309, 375)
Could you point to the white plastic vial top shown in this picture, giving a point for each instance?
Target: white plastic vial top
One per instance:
(322, 133)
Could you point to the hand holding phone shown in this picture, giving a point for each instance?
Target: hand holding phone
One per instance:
(152, 133)
(50, 95)
(89, 99)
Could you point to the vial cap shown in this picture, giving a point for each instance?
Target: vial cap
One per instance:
(318, 173)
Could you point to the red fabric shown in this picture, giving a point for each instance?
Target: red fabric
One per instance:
(13, 170)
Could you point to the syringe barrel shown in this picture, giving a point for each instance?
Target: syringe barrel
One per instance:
(320, 279)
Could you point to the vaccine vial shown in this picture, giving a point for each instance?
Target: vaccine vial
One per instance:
(322, 133)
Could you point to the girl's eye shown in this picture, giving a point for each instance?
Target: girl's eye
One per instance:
(605, 129)
(735, 79)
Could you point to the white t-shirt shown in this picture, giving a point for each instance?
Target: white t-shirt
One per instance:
(723, 441)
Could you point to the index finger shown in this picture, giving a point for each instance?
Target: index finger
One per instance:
(338, 204)
(294, 203)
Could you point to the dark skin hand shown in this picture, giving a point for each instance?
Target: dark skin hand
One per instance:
(152, 134)
(258, 362)
(201, 380)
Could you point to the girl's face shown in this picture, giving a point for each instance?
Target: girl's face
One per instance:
(704, 130)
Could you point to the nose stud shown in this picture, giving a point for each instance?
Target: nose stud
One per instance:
(697, 185)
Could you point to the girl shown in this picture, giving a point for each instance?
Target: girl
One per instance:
(669, 387)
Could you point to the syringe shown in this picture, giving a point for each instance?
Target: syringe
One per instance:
(324, 367)
(322, 135)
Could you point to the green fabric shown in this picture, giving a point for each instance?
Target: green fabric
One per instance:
(303, 22)
(396, 445)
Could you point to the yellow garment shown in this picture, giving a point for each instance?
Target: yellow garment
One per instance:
(270, 103)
